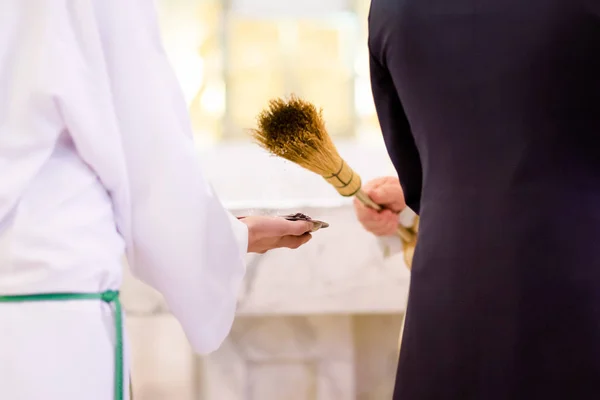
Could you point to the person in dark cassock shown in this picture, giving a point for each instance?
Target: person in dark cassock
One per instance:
(490, 111)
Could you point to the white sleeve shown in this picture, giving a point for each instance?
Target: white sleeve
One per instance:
(240, 230)
(181, 240)
(392, 245)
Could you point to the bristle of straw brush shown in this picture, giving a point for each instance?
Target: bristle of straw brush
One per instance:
(294, 130)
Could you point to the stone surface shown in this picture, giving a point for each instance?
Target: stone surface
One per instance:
(324, 357)
(163, 366)
(292, 358)
(341, 270)
(318, 323)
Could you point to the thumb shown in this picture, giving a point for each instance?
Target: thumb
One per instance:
(298, 228)
(389, 197)
(379, 196)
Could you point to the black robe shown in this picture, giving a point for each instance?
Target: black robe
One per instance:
(490, 111)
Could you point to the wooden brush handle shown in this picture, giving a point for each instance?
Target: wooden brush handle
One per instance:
(405, 234)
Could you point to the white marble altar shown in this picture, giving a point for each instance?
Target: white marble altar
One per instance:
(319, 323)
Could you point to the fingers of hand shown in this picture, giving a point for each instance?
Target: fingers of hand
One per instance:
(367, 215)
(380, 223)
(363, 211)
(385, 222)
(278, 226)
(385, 229)
(370, 217)
(297, 228)
(388, 195)
(293, 241)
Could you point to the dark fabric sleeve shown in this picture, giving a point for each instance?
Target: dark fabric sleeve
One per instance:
(593, 7)
(396, 131)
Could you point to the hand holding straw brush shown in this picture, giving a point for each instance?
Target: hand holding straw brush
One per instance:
(294, 130)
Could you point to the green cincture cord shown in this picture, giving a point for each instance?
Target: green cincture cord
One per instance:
(109, 297)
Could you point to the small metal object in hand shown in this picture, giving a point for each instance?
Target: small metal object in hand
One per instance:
(302, 217)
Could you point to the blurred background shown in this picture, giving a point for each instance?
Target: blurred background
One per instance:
(318, 324)
(232, 56)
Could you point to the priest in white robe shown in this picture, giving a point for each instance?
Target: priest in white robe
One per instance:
(97, 160)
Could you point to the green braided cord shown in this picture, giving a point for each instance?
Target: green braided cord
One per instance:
(109, 296)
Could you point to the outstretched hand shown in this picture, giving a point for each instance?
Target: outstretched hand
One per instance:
(387, 192)
(267, 233)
